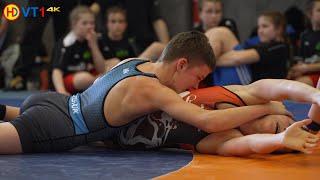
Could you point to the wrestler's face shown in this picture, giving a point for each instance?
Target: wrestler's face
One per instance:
(271, 124)
(211, 14)
(83, 25)
(188, 76)
(266, 29)
(116, 24)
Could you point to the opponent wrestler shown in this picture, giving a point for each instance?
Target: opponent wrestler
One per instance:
(264, 135)
(54, 122)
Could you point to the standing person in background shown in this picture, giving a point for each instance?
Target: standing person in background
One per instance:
(145, 23)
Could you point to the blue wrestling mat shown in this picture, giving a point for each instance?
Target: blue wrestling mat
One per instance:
(97, 162)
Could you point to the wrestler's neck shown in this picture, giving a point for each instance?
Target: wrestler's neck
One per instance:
(160, 69)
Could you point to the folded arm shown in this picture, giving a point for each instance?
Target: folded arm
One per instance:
(236, 58)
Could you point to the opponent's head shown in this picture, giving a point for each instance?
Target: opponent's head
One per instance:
(82, 21)
(190, 58)
(272, 26)
(271, 124)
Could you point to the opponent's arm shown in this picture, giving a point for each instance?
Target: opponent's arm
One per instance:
(167, 100)
(236, 145)
(280, 89)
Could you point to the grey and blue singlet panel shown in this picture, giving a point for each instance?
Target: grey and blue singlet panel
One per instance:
(92, 100)
(54, 122)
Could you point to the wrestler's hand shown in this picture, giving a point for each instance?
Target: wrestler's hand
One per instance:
(294, 137)
(277, 108)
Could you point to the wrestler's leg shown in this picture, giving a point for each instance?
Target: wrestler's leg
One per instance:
(9, 139)
(8, 113)
(233, 143)
(222, 40)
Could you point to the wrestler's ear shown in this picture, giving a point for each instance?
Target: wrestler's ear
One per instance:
(182, 64)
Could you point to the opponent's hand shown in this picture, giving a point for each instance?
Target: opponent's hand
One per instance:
(298, 139)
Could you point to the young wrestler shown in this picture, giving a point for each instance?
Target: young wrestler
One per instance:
(308, 69)
(267, 60)
(265, 135)
(55, 122)
(74, 66)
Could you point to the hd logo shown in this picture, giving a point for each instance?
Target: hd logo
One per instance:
(12, 11)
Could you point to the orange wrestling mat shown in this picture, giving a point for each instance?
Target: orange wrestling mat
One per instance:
(259, 167)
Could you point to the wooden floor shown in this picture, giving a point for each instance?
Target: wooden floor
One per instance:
(269, 167)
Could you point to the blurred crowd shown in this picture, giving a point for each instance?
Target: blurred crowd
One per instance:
(282, 45)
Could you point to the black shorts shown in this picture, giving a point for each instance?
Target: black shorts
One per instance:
(44, 124)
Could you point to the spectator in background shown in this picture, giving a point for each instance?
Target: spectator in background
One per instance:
(146, 28)
(114, 44)
(307, 70)
(268, 59)
(32, 47)
(211, 15)
(77, 60)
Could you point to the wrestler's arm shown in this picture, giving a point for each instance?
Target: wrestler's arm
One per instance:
(167, 100)
(280, 89)
(236, 58)
(232, 143)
